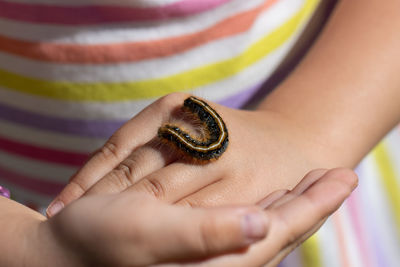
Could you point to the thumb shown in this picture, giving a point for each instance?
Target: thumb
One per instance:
(192, 234)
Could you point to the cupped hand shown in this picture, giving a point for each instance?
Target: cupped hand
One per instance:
(294, 216)
(266, 152)
(129, 229)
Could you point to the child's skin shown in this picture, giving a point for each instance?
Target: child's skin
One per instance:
(338, 103)
(128, 229)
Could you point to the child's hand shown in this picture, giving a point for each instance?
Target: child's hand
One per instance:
(294, 216)
(137, 230)
(128, 229)
(265, 153)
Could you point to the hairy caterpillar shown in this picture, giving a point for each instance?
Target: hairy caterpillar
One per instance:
(211, 147)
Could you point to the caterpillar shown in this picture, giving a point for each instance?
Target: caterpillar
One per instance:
(211, 147)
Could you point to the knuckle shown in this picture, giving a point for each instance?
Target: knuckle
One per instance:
(290, 234)
(126, 171)
(208, 233)
(154, 187)
(129, 169)
(171, 100)
(189, 203)
(110, 151)
(76, 187)
(120, 178)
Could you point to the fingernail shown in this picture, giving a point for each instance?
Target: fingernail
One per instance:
(54, 208)
(254, 227)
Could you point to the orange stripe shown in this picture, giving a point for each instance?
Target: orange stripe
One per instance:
(133, 51)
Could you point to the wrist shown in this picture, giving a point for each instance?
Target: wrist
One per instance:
(39, 247)
(309, 147)
(28, 240)
(326, 139)
(18, 226)
(53, 247)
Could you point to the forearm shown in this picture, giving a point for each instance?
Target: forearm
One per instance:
(17, 225)
(345, 92)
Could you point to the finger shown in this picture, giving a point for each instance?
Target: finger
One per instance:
(292, 220)
(202, 233)
(271, 198)
(304, 184)
(137, 131)
(143, 161)
(225, 192)
(296, 218)
(176, 181)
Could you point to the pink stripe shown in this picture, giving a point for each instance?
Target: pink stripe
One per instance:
(34, 184)
(45, 13)
(44, 154)
(354, 206)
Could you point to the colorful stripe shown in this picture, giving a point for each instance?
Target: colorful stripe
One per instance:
(58, 141)
(368, 207)
(91, 128)
(113, 111)
(25, 196)
(94, 14)
(391, 186)
(80, 127)
(135, 3)
(359, 229)
(131, 52)
(377, 206)
(153, 88)
(47, 171)
(344, 257)
(35, 184)
(88, 128)
(41, 153)
(242, 98)
(128, 32)
(310, 252)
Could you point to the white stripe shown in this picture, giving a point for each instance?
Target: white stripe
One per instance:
(133, 3)
(125, 32)
(49, 139)
(29, 167)
(26, 196)
(209, 53)
(330, 255)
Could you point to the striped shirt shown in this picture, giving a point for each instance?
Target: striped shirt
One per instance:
(72, 72)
